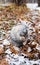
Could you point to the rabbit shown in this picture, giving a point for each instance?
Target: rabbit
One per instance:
(18, 34)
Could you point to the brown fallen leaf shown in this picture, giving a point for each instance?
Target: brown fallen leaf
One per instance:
(3, 62)
(13, 50)
(1, 50)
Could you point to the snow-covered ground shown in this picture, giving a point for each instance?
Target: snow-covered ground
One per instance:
(32, 5)
(21, 58)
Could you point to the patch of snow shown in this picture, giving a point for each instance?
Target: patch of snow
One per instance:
(33, 43)
(16, 56)
(1, 45)
(21, 59)
(38, 8)
(29, 49)
(6, 42)
(38, 47)
(8, 51)
(32, 6)
(6, 4)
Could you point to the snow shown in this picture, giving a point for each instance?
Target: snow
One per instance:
(34, 43)
(38, 8)
(1, 45)
(32, 6)
(6, 42)
(38, 47)
(8, 51)
(20, 60)
(29, 49)
(6, 4)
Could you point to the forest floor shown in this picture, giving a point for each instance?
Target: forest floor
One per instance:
(29, 54)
